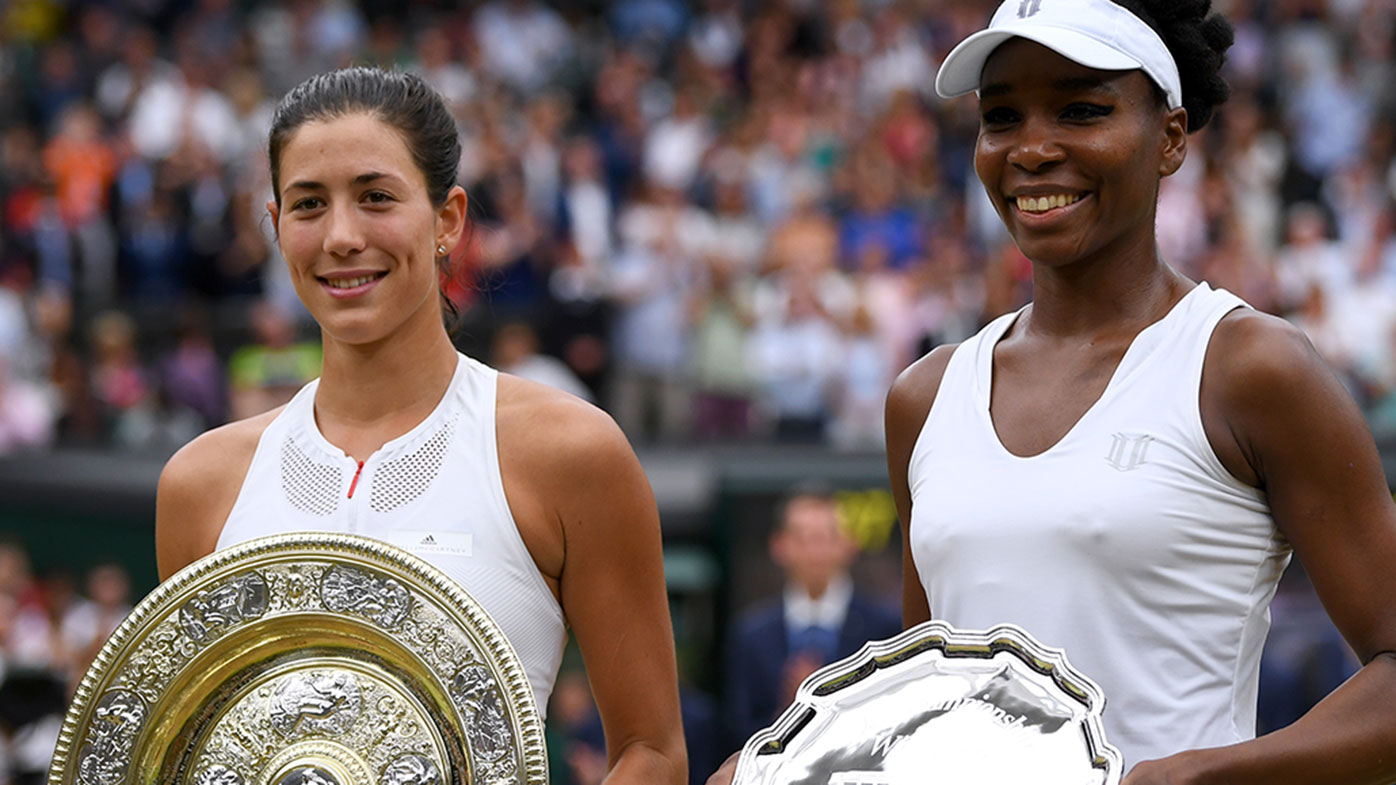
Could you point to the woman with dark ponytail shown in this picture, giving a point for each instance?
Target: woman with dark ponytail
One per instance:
(530, 498)
(1125, 466)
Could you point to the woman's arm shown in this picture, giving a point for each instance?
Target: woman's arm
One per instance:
(1278, 418)
(591, 489)
(908, 403)
(197, 489)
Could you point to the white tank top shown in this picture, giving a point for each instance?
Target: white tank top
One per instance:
(1127, 543)
(435, 491)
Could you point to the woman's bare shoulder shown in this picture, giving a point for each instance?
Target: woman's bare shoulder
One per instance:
(564, 461)
(210, 458)
(913, 392)
(552, 425)
(198, 487)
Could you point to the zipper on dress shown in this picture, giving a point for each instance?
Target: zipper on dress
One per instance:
(354, 483)
(352, 522)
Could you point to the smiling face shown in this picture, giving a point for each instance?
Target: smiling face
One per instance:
(358, 230)
(1071, 156)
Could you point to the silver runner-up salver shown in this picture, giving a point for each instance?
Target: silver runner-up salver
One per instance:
(939, 705)
(304, 659)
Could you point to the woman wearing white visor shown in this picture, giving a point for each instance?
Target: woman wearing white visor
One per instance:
(1123, 466)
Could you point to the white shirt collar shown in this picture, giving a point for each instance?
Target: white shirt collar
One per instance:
(828, 611)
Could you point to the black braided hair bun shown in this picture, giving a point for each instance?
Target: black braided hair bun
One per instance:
(1198, 41)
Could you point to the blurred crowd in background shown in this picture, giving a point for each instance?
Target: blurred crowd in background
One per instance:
(50, 630)
(721, 220)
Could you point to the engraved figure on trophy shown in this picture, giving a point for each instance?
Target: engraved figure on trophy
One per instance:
(308, 775)
(306, 703)
(383, 601)
(411, 770)
(219, 775)
(477, 696)
(107, 753)
(210, 613)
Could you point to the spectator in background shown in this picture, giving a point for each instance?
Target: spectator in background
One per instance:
(23, 348)
(1309, 258)
(878, 223)
(140, 66)
(793, 358)
(1256, 154)
(32, 699)
(807, 239)
(59, 80)
(1382, 390)
(737, 236)
(585, 221)
(1305, 657)
(154, 249)
(267, 372)
(721, 316)
(87, 623)
(22, 191)
(515, 351)
(541, 149)
(27, 634)
(715, 35)
(1329, 116)
(191, 373)
(676, 144)
(81, 165)
(817, 619)
(864, 375)
(32, 704)
(119, 381)
(581, 741)
(441, 69)
(158, 426)
(651, 281)
(512, 247)
(781, 178)
(898, 60)
(522, 42)
(26, 413)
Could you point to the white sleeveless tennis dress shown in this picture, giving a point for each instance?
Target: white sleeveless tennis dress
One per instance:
(1127, 543)
(435, 491)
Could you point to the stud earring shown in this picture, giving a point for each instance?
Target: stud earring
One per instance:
(440, 250)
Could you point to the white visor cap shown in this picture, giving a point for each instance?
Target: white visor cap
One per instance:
(1095, 33)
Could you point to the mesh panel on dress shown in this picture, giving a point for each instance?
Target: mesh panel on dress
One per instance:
(309, 486)
(401, 480)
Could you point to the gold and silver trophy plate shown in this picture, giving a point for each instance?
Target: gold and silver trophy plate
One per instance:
(304, 659)
(935, 704)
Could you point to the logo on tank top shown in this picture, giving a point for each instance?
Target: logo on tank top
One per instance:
(1128, 453)
(423, 541)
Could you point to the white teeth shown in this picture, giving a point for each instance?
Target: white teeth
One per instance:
(1042, 204)
(348, 283)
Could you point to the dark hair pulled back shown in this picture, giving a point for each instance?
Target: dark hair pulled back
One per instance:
(1198, 40)
(397, 98)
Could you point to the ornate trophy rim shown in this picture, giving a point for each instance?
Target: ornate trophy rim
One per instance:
(163, 602)
(820, 689)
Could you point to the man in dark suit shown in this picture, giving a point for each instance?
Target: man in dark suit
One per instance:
(817, 619)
